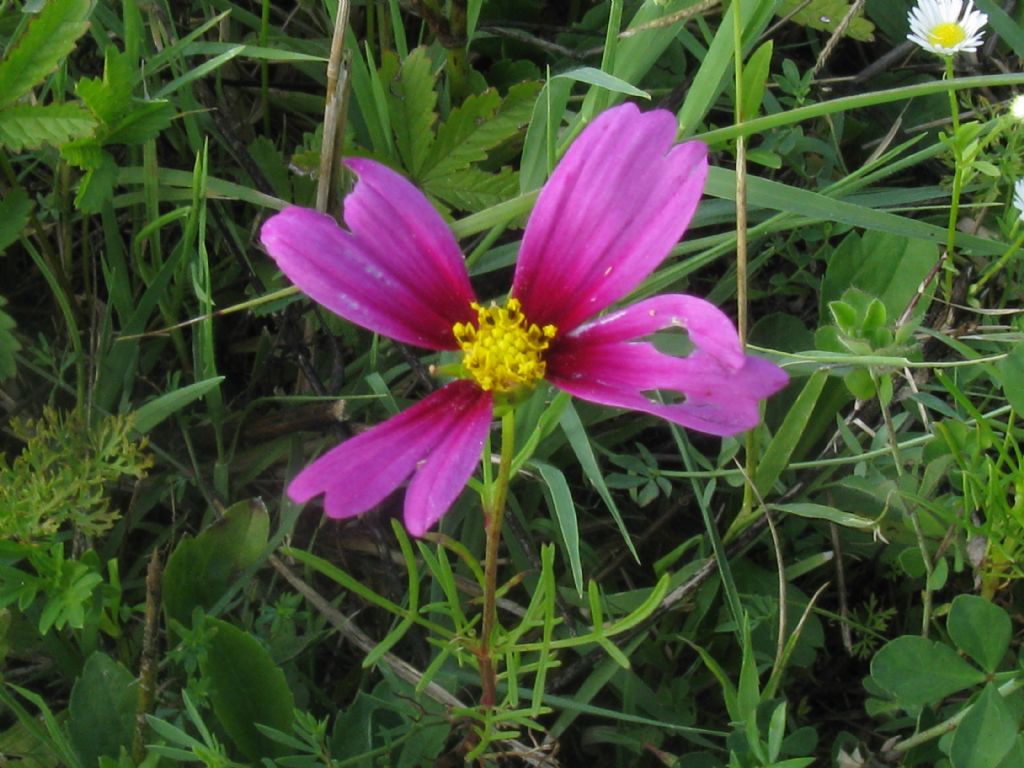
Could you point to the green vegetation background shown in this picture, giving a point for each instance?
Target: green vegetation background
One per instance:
(838, 589)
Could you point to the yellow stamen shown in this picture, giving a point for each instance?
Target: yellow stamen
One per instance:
(503, 351)
(948, 34)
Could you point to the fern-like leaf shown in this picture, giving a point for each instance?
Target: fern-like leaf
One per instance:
(30, 126)
(470, 189)
(49, 38)
(481, 123)
(411, 102)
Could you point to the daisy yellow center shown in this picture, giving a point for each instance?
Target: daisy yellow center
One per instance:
(949, 34)
(503, 350)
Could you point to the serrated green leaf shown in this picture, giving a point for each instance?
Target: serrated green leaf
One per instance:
(471, 189)
(480, 124)
(463, 134)
(97, 186)
(109, 97)
(144, 121)
(123, 119)
(411, 100)
(15, 210)
(30, 126)
(48, 39)
(84, 154)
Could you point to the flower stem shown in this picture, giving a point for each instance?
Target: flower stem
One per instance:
(958, 182)
(494, 511)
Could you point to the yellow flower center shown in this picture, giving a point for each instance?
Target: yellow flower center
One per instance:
(949, 34)
(503, 351)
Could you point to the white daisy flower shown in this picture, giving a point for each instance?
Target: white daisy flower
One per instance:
(1017, 107)
(1018, 198)
(946, 26)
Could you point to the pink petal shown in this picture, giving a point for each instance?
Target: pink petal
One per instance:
(706, 325)
(722, 388)
(362, 471)
(441, 478)
(405, 234)
(399, 272)
(613, 208)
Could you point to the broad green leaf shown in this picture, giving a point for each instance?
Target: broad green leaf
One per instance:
(917, 671)
(200, 570)
(50, 37)
(986, 734)
(1015, 757)
(15, 211)
(102, 709)
(884, 266)
(411, 100)
(247, 688)
(980, 629)
(8, 344)
(31, 126)
(1011, 377)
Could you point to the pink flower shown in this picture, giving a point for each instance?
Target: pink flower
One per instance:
(616, 204)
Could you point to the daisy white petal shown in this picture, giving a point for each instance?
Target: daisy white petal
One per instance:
(1018, 198)
(1017, 107)
(946, 27)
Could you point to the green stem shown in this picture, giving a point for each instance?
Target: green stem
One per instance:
(750, 454)
(999, 264)
(948, 725)
(494, 511)
(922, 544)
(958, 182)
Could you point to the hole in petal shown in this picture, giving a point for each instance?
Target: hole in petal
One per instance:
(665, 396)
(673, 341)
